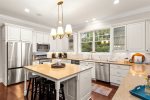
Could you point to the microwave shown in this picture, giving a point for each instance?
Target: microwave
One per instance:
(43, 47)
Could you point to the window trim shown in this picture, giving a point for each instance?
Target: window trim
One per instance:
(93, 42)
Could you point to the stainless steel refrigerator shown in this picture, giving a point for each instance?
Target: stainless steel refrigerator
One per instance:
(19, 54)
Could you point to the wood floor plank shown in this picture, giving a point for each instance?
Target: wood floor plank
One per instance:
(15, 92)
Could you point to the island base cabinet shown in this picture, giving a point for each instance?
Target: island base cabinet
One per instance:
(78, 88)
(70, 89)
(85, 85)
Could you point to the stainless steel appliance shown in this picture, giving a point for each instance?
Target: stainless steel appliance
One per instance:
(19, 54)
(43, 47)
(103, 72)
(77, 62)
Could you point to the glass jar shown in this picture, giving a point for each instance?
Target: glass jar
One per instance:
(147, 86)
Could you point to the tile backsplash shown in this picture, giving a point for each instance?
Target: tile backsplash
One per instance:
(104, 56)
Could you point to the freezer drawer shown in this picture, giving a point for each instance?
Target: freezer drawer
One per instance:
(15, 76)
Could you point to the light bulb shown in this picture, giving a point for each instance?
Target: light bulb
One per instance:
(68, 30)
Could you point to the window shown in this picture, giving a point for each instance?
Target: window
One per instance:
(86, 41)
(70, 40)
(102, 40)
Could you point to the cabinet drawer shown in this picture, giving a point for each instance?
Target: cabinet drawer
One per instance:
(115, 79)
(119, 66)
(118, 72)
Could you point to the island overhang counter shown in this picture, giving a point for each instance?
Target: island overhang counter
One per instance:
(58, 75)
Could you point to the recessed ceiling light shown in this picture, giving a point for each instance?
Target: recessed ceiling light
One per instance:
(93, 19)
(116, 2)
(26, 10)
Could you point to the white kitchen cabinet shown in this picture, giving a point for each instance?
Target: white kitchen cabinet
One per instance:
(117, 73)
(119, 38)
(59, 45)
(65, 44)
(136, 37)
(39, 37)
(85, 86)
(148, 36)
(13, 33)
(26, 34)
(34, 37)
(85, 64)
(70, 89)
(52, 45)
(46, 37)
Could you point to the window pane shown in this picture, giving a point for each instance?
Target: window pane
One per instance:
(86, 47)
(102, 40)
(100, 47)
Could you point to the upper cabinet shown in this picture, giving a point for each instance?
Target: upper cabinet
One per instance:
(16, 33)
(26, 35)
(119, 38)
(13, 33)
(136, 37)
(39, 37)
(46, 37)
(148, 36)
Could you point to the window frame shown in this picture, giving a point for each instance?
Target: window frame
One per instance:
(94, 40)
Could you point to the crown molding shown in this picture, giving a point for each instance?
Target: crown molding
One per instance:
(122, 15)
(9, 19)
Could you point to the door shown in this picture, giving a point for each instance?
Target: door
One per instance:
(15, 76)
(14, 54)
(26, 54)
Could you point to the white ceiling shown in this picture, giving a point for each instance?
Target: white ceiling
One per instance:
(75, 11)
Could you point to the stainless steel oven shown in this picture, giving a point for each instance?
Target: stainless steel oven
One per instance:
(43, 47)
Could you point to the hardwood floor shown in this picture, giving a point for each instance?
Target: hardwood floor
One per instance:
(15, 92)
(96, 96)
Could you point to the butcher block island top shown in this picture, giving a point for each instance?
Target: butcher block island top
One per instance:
(56, 73)
(136, 77)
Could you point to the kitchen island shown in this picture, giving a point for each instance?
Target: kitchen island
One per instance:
(135, 77)
(59, 75)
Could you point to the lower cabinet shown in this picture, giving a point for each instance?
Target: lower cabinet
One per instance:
(70, 89)
(118, 72)
(84, 87)
(89, 64)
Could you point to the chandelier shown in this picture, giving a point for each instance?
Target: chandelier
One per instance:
(60, 33)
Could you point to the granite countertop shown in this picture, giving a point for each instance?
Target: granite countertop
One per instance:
(56, 73)
(135, 77)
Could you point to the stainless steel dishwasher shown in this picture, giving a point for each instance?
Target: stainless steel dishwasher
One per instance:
(102, 72)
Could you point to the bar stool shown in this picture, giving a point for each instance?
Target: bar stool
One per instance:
(32, 79)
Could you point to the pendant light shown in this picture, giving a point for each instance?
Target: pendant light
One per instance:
(60, 32)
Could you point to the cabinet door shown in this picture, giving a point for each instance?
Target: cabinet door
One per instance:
(136, 37)
(46, 38)
(148, 36)
(34, 38)
(59, 45)
(85, 89)
(52, 45)
(91, 64)
(119, 34)
(65, 44)
(26, 35)
(39, 37)
(13, 33)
